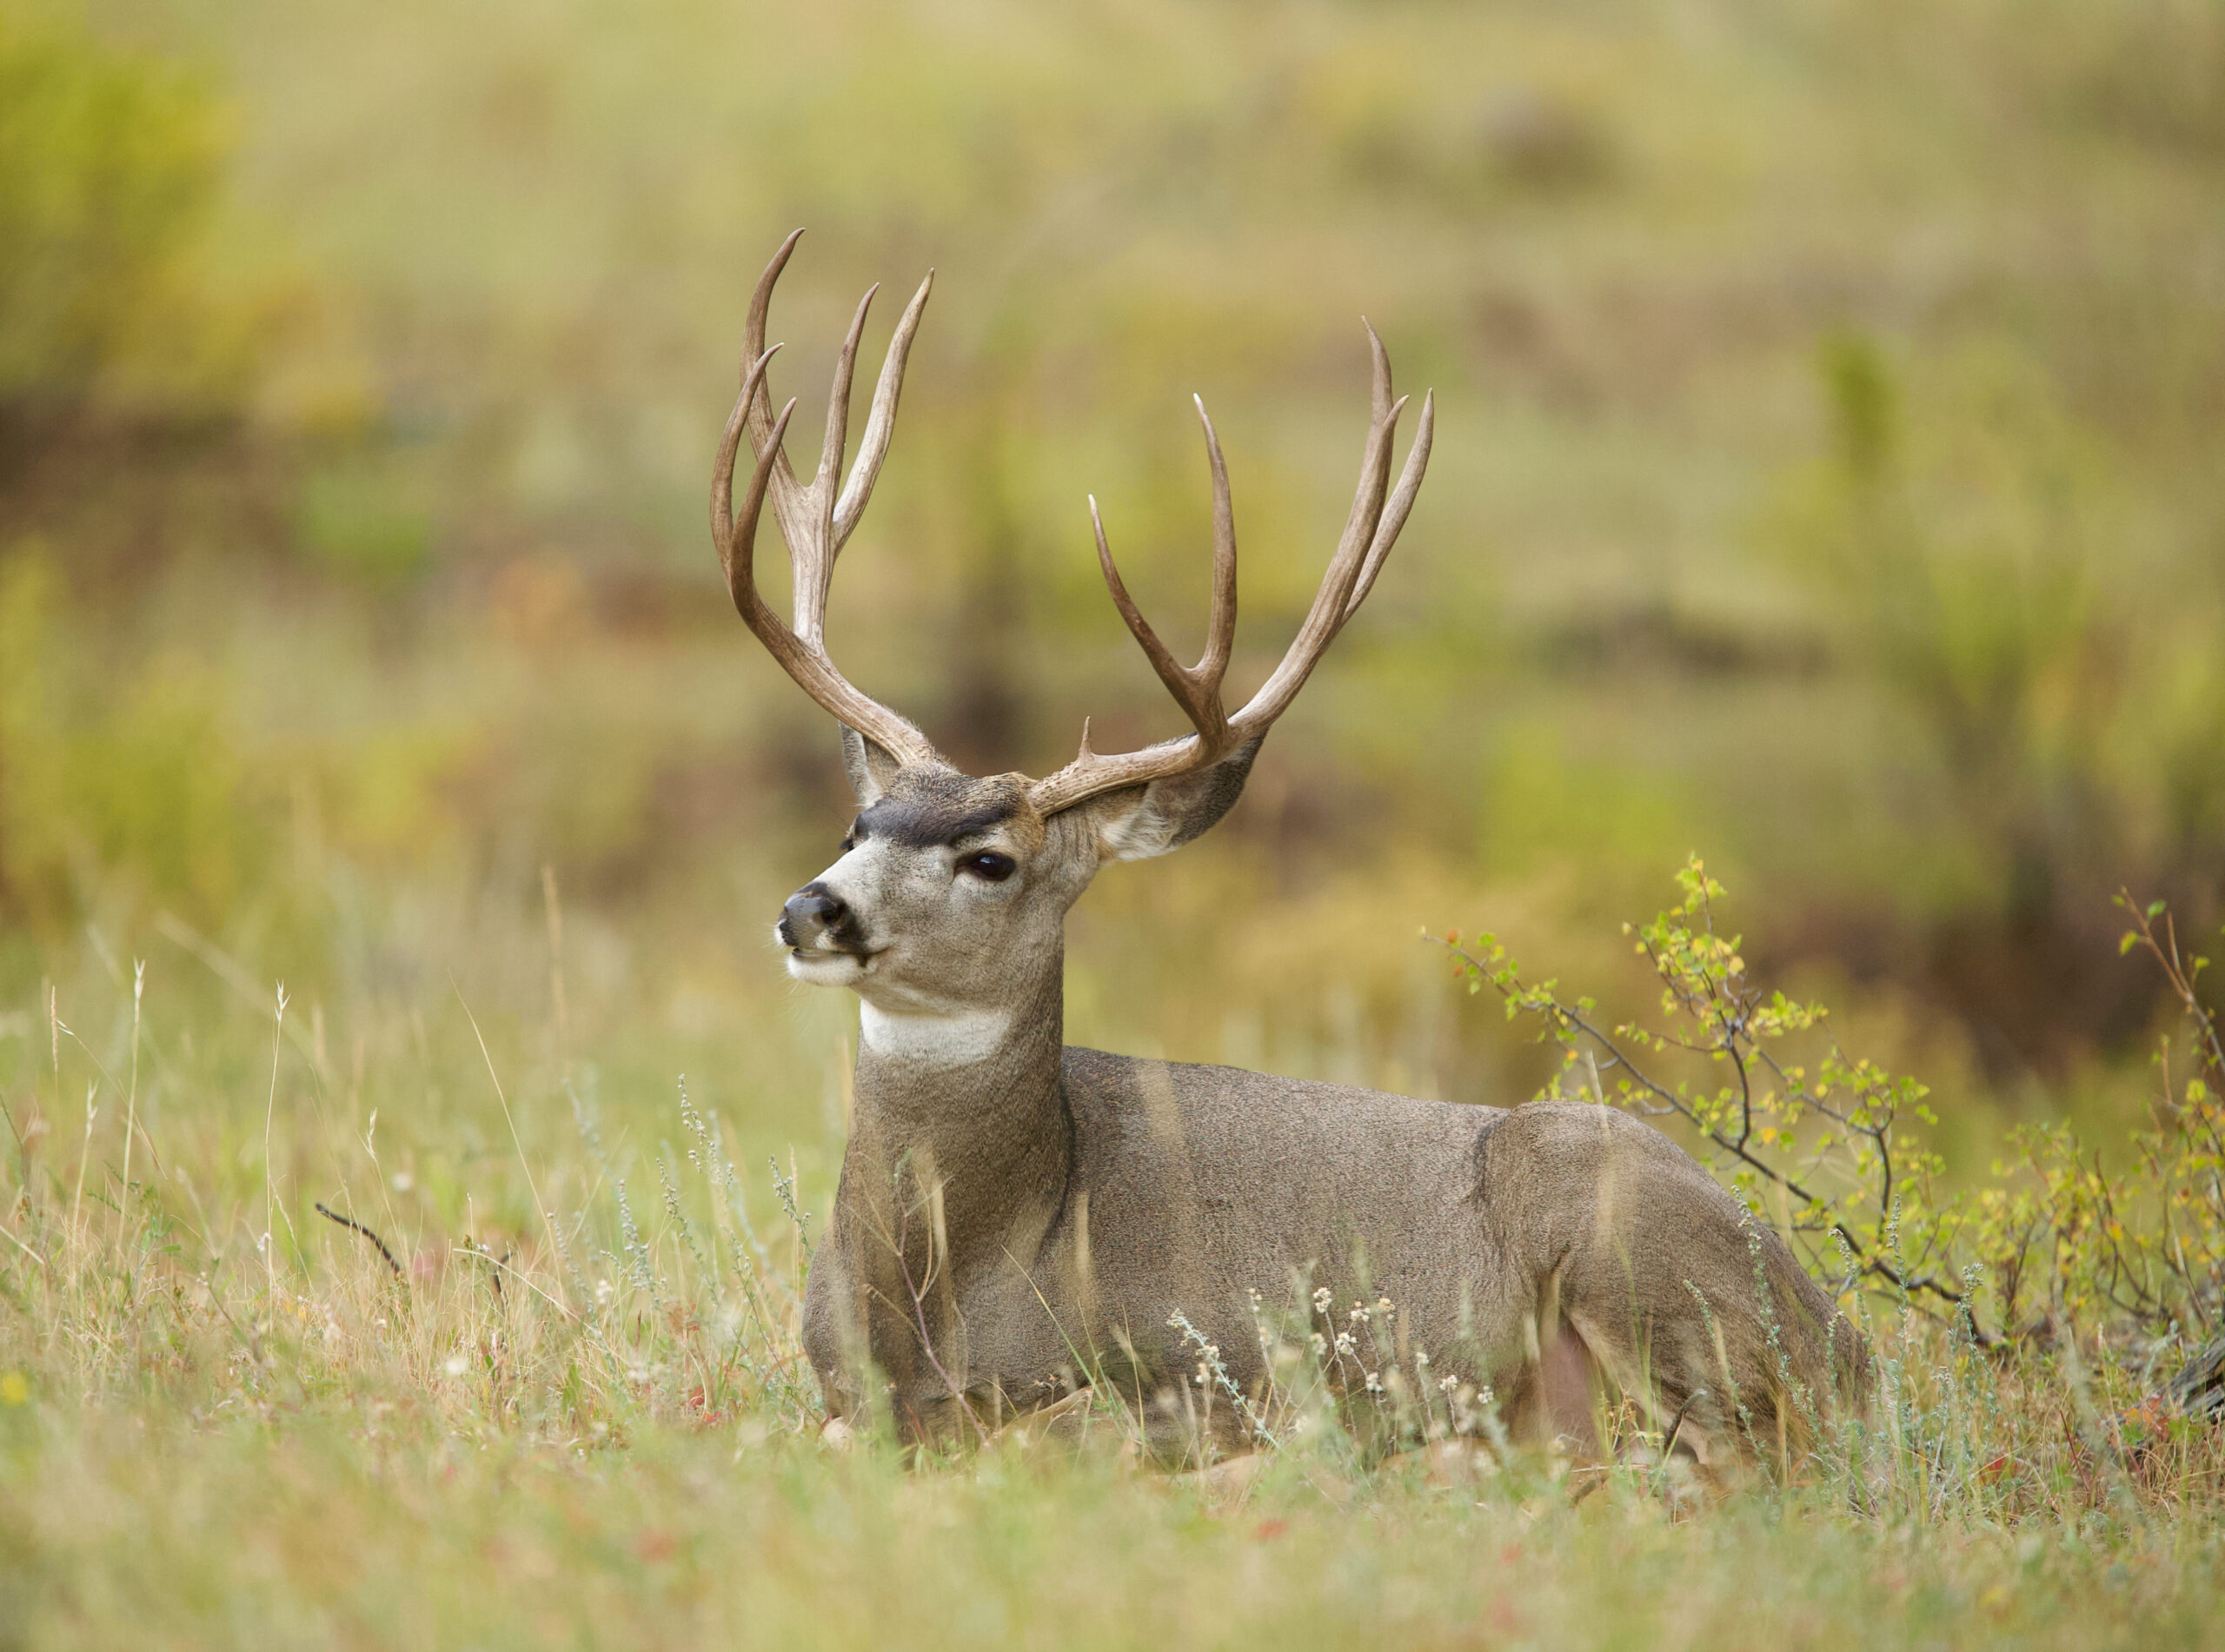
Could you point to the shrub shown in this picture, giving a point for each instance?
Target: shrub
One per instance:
(1835, 1149)
(110, 163)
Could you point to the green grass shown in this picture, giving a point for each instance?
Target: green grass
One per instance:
(352, 1528)
(576, 1412)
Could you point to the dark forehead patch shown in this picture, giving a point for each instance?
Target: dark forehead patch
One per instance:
(929, 823)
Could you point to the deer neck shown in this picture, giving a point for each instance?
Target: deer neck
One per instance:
(972, 1098)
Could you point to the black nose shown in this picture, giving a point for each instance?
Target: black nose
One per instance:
(811, 911)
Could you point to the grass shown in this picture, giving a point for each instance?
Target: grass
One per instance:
(339, 1532)
(573, 1410)
(355, 1529)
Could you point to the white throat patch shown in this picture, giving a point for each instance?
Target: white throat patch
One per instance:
(956, 1039)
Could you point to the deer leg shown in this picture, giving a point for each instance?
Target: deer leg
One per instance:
(1551, 1398)
(1567, 1391)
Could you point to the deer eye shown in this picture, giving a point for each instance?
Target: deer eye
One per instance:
(990, 868)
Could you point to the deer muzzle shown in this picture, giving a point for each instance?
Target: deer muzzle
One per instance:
(816, 919)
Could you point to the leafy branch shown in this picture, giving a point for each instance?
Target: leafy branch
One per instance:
(2069, 1240)
(1833, 1146)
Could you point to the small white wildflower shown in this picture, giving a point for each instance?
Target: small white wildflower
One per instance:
(456, 1365)
(1374, 1383)
(1321, 1301)
(1345, 1343)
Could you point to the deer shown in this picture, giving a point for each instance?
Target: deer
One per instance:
(1019, 1223)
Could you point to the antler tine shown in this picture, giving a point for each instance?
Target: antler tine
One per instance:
(1375, 456)
(738, 549)
(788, 493)
(807, 518)
(1402, 503)
(1371, 529)
(722, 527)
(1196, 689)
(1379, 387)
(838, 405)
(814, 557)
(881, 422)
(1333, 602)
(1220, 627)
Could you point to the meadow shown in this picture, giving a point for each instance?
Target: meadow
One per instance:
(392, 810)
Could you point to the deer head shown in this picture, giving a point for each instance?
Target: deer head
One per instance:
(951, 890)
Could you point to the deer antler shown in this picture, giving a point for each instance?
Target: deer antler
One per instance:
(816, 521)
(1370, 532)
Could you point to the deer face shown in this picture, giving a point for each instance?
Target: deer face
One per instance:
(946, 887)
(950, 892)
(949, 898)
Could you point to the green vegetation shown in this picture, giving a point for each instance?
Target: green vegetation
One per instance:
(1826, 480)
(278, 1371)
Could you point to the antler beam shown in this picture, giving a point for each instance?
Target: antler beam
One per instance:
(816, 521)
(1370, 530)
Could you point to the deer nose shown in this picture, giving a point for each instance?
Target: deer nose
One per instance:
(810, 912)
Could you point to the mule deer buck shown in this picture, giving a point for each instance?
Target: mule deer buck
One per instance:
(1016, 1219)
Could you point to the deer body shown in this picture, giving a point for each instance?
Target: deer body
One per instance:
(1017, 1219)
(1476, 1223)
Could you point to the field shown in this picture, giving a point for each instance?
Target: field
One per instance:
(1825, 485)
(228, 1419)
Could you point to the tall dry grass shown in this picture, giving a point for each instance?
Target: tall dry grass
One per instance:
(261, 1383)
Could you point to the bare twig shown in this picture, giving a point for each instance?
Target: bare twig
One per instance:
(349, 1222)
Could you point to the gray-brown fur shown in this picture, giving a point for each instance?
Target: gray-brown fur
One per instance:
(1055, 1206)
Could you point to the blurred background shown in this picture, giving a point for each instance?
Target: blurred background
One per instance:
(1828, 481)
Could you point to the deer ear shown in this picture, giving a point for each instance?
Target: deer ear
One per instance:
(1146, 821)
(871, 769)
